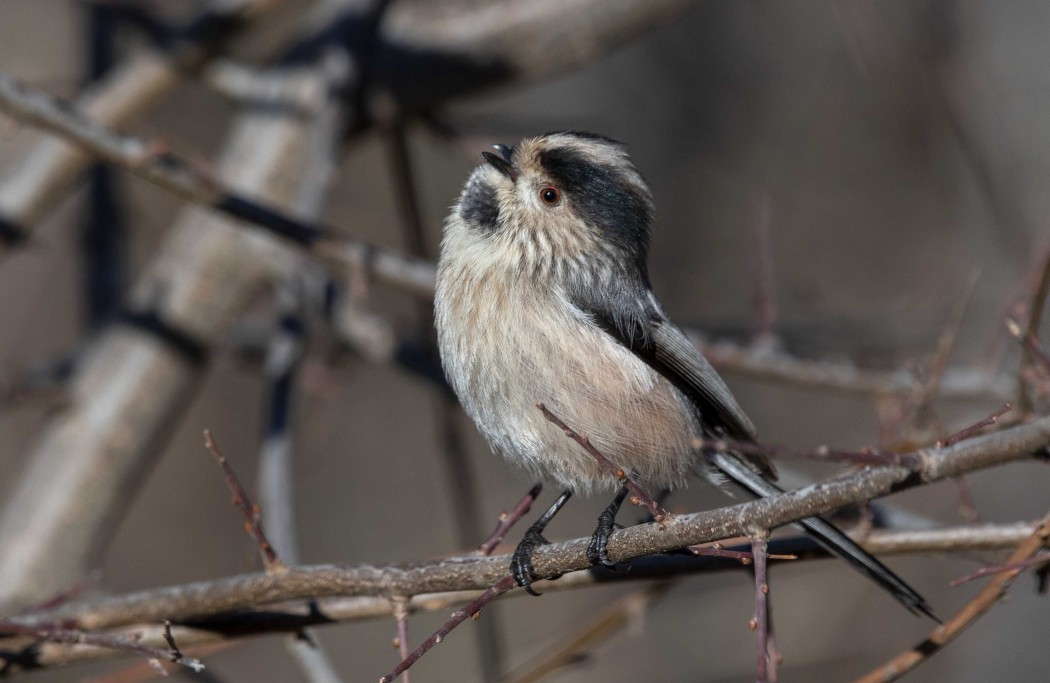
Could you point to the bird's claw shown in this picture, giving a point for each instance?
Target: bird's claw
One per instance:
(521, 560)
(598, 548)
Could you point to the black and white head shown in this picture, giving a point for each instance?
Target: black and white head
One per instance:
(555, 205)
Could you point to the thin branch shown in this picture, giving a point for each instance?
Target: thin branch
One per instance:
(294, 616)
(401, 642)
(102, 640)
(638, 495)
(152, 161)
(820, 453)
(975, 428)
(971, 611)
(1038, 560)
(957, 383)
(760, 622)
(473, 572)
(472, 609)
(508, 519)
(252, 515)
(1031, 344)
(745, 558)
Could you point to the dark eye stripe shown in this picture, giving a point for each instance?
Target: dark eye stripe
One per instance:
(601, 196)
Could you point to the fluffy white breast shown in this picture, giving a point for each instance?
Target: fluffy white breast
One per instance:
(508, 342)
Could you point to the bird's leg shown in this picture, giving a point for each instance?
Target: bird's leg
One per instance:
(521, 561)
(598, 548)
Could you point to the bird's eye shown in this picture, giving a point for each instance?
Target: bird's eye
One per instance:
(550, 195)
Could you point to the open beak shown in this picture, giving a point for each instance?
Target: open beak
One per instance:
(502, 162)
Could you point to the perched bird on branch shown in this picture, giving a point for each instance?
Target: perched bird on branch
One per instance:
(543, 296)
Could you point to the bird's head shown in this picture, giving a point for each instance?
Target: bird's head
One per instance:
(556, 200)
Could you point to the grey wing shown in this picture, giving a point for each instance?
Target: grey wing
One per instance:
(675, 357)
(638, 324)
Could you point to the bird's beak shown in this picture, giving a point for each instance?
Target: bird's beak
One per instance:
(502, 162)
(504, 151)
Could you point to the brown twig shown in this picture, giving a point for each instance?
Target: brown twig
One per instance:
(472, 609)
(401, 641)
(105, 640)
(508, 519)
(746, 558)
(967, 507)
(638, 494)
(252, 514)
(760, 622)
(975, 428)
(1030, 343)
(1036, 561)
(971, 611)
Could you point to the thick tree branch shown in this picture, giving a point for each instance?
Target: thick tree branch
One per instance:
(138, 375)
(39, 176)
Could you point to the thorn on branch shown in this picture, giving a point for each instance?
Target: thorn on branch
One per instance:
(718, 550)
(252, 514)
(975, 428)
(508, 520)
(638, 494)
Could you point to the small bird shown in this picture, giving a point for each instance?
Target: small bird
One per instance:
(543, 296)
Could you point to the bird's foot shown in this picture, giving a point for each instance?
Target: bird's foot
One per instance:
(598, 548)
(521, 560)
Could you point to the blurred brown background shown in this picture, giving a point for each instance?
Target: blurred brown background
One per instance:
(902, 150)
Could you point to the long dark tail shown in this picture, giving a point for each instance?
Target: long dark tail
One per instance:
(833, 540)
